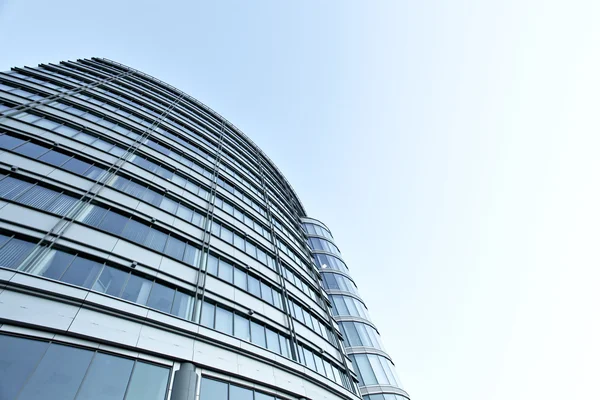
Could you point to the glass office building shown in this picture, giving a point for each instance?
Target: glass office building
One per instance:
(150, 250)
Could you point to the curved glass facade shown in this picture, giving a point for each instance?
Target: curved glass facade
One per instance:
(377, 378)
(148, 241)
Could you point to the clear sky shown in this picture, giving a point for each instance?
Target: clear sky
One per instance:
(451, 146)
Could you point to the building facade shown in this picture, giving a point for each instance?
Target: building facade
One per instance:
(150, 250)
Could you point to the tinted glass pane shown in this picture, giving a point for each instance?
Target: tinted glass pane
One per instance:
(239, 279)
(137, 289)
(54, 158)
(55, 265)
(13, 252)
(113, 223)
(253, 286)
(225, 271)
(31, 150)
(18, 359)
(161, 297)
(58, 375)
(273, 341)
(208, 315)
(240, 393)
(213, 390)
(111, 281)
(183, 305)
(82, 272)
(175, 248)
(149, 382)
(76, 166)
(106, 378)
(9, 142)
(258, 334)
(224, 321)
(212, 265)
(241, 327)
(262, 396)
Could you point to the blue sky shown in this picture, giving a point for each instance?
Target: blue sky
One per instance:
(451, 146)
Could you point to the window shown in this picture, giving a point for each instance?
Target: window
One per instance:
(161, 297)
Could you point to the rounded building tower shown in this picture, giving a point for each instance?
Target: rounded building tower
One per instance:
(376, 373)
(149, 250)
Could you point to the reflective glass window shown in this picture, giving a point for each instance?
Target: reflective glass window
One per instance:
(106, 378)
(239, 279)
(82, 272)
(258, 334)
(225, 271)
(14, 252)
(148, 382)
(183, 305)
(161, 297)
(224, 321)
(58, 375)
(273, 341)
(208, 315)
(18, 359)
(240, 393)
(111, 281)
(137, 289)
(241, 327)
(254, 286)
(213, 390)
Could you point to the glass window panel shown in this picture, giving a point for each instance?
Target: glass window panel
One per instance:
(18, 358)
(82, 272)
(224, 321)
(319, 364)
(284, 345)
(156, 240)
(94, 172)
(208, 315)
(31, 150)
(183, 305)
(54, 158)
(262, 396)
(258, 334)
(135, 231)
(111, 281)
(240, 393)
(241, 327)
(106, 378)
(137, 289)
(363, 368)
(76, 166)
(277, 299)
(9, 142)
(149, 382)
(309, 358)
(267, 293)
(169, 205)
(175, 248)
(14, 252)
(184, 212)
(380, 374)
(213, 390)
(225, 271)
(113, 223)
(58, 375)
(238, 242)
(253, 286)
(161, 297)
(251, 249)
(215, 228)
(212, 265)
(191, 254)
(226, 235)
(273, 341)
(239, 279)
